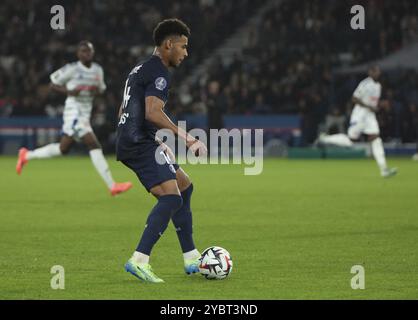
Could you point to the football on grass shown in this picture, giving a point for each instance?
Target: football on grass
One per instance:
(215, 263)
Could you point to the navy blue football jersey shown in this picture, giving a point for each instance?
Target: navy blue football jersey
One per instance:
(134, 132)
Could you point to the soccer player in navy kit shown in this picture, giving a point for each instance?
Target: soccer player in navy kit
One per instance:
(141, 115)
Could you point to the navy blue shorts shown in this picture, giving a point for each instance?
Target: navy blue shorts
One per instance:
(150, 172)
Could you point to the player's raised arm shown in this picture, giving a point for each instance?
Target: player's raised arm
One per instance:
(154, 113)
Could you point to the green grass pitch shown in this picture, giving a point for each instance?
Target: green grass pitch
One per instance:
(294, 232)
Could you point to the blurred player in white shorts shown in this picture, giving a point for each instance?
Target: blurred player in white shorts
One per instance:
(81, 81)
(363, 121)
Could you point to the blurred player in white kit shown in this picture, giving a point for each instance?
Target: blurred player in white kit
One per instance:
(81, 81)
(363, 121)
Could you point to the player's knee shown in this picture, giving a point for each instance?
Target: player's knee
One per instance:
(175, 202)
(171, 203)
(353, 136)
(93, 146)
(65, 149)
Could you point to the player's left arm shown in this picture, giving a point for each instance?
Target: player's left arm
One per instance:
(101, 86)
(155, 114)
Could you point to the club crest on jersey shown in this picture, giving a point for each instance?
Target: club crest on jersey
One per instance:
(160, 83)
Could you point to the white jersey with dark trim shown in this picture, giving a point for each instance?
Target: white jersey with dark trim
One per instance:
(368, 91)
(77, 76)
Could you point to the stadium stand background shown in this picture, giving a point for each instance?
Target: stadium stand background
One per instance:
(286, 68)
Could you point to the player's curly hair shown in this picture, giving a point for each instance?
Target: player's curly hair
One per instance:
(170, 27)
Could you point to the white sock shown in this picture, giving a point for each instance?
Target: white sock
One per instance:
(101, 166)
(379, 153)
(140, 258)
(48, 151)
(339, 139)
(191, 255)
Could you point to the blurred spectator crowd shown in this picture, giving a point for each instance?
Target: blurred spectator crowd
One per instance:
(288, 62)
(121, 32)
(286, 65)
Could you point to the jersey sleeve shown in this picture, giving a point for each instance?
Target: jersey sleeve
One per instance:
(62, 75)
(157, 86)
(102, 84)
(360, 90)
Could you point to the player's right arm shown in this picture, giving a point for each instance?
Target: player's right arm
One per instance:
(359, 94)
(155, 114)
(364, 105)
(120, 110)
(59, 80)
(64, 90)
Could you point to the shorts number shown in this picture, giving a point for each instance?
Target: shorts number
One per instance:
(123, 118)
(165, 157)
